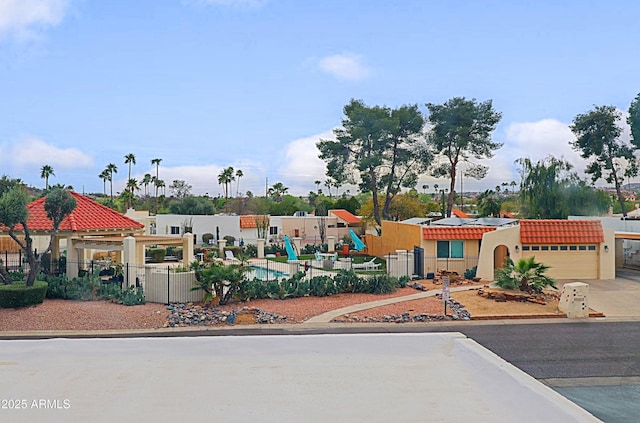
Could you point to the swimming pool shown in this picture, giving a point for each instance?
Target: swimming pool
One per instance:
(266, 274)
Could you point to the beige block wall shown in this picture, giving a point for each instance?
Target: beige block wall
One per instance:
(509, 237)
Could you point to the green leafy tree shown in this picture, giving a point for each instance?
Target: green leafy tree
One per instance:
(45, 172)
(489, 204)
(541, 187)
(180, 189)
(526, 275)
(58, 204)
(461, 129)
(380, 148)
(598, 139)
(634, 121)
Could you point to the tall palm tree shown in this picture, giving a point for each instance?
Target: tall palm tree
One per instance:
(130, 159)
(104, 175)
(513, 186)
(111, 168)
(225, 178)
(277, 191)
(239, 174)
(157, 163)
(146, 180)
(132, 186)
(317, 182)
(45, 172)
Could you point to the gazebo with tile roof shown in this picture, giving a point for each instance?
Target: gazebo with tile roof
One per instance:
(94, 226)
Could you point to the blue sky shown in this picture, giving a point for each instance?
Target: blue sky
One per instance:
(254, 84)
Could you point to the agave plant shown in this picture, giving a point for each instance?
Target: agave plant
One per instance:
(527, 275)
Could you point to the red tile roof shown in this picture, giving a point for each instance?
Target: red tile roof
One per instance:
(88, 215)
(247, 222)
(561, 231)
(455, 232)
(346, 216)
(459, 213)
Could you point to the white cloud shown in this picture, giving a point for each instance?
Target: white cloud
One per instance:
(24, 18)
(302, 166)
(33, 151)
(344, 66)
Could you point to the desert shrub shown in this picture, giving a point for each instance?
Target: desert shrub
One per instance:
(252, 289)
(403, 281)
(381, 284)
(526, 275)
(309, 249)
(321, 286)
(470, 273)
(156, 255)
(132, 296)
(19, 295)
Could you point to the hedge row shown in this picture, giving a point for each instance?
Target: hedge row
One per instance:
(19, 295)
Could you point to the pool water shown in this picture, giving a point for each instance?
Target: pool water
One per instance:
(266, 274)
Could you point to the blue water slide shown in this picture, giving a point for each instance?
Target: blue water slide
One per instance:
(359, 245)
(290, 251)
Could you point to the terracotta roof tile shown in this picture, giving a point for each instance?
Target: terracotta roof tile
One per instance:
(247, 222)
(346, 216)
(88, 215)
(455, 232)
(561, 231)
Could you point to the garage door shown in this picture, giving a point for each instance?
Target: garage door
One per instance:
(568, 261)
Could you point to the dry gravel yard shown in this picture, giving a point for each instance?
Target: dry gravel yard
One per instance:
(103, 315)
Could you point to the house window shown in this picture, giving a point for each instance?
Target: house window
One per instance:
(563, 248)
(341, 225)
(592, 247)
(175, 230)
(573, 247)
(450, 249)
(535, 248)
(582, 248)
(554, 248)
(525, 248)
(273, 230)
(545, 248)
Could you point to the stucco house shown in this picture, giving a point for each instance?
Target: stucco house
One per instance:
(574, 249)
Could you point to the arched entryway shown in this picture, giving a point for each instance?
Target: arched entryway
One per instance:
(500, 254)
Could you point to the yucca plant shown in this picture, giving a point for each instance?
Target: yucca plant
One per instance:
(527, 275)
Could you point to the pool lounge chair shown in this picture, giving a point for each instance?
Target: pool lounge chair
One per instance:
(367, 265)
(228, 255)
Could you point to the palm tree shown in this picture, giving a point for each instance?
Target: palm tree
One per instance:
(225, 178)
(130, 159)
(157, 163)
(111, 168)
(146, 180)
(45, 172)
(425, 188)
(239, 174)
(513, 186)
(132, 186)
(317, 182)
(104, 175)
(527, 274)
(277, 191)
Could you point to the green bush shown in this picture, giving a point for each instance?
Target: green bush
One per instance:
(381, 284)
(19, 295)
(132, 296)
(403, 281)
(206, 238)
(156, 255)
(470, 273)
(251, 250)
(230, 239)
(275, 249)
